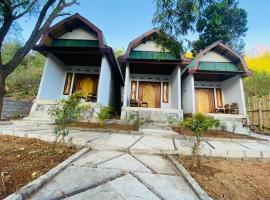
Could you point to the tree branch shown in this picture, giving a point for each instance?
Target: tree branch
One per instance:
(40, 27)
(17, 16)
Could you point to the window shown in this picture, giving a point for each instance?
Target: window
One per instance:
(68, 83)
(133, 90)
(219, 98)
(165, 92)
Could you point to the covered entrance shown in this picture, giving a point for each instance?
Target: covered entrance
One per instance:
(149, 94)
(205, 100)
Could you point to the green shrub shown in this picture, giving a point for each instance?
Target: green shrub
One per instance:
(134, 119)
(172, 120)
(198, 124)
(104, 114)
(65, 112)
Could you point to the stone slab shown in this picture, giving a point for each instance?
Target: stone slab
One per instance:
(126, 163)
(227, 145)
(94, 157)
(168, 187)
(159, 164)
(114, 142)
(152, 143)
(131, 189)
(73, 180)
(99, 193)
(256, 146)
(81, 138)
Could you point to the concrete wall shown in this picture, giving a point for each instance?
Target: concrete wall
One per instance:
(212, 56)
(13, 108)
(104, 94)
(233, 91)
(53, 80)
(79, 34)
(188, 94)
(175, 88)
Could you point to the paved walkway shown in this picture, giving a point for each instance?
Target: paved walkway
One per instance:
(129, 166)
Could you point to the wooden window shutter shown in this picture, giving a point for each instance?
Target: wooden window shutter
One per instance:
(67, 86)
(165, 92)
(219, 98)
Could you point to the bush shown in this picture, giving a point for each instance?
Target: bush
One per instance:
(199, 123)
(172, 120)
(104, 114)
(65, 112)
(134, 119)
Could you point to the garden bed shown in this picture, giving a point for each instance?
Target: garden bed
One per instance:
(231, 179)
(215, 134)
(23, 160)
(106, 127)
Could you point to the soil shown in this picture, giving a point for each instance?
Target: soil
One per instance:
(215, 134)
(106, 126)
(232, 179)
(23, 160)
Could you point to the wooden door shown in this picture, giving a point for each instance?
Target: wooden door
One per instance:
(86, 84)
(205, 102)
(149, 92)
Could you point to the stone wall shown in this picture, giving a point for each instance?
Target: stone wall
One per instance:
(12, 108)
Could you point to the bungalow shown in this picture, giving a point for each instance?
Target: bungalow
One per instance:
(152, 79)
(212, 82)
(77, 59)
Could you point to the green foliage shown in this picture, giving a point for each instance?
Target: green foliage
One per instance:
(65, 112)
(172, 120)
(104, 114)
(224, 21)
(199, 123)
(134, 119)
(23, 83)
(257, 85)
(213, 19)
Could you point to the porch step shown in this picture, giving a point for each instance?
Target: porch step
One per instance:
(36, 121)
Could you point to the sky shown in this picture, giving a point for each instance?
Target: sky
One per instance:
(123, 20)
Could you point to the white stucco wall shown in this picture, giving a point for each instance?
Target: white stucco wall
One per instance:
(233, 92)
(175, 85)
(212, 56)
(127, 87)
(53, 79)
(79, 34)
(105, 85)
(188, 94)
(150, 46)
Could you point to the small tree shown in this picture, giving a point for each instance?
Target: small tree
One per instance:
(198, 123)
(104, 114)
(64, 113)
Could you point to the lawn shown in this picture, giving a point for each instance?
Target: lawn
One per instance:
(23, 160)
(232, 179)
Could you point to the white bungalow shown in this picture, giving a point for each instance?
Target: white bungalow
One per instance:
(212, 82)
(77, 59)
(152, 79)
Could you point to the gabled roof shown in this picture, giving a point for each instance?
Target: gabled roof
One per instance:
(237, 60)
(67, 25)
(146, 55)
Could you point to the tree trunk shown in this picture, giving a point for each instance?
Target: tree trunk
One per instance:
(2, 92)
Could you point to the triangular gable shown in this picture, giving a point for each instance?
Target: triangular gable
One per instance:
(218, 57)
(76, 24)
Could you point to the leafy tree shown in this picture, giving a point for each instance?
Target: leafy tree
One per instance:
(11, 11)
(198, 124)
(179, 18)
(24, 81)
(104, 114)
(257, 85)
(222, 21)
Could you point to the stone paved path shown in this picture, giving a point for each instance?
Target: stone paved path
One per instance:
(101, 174)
